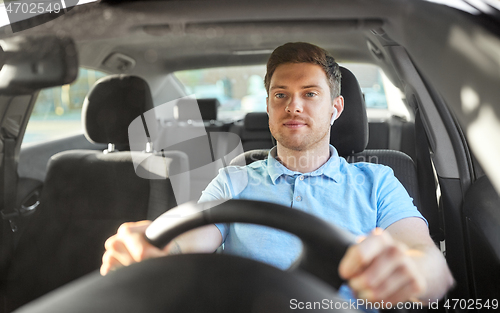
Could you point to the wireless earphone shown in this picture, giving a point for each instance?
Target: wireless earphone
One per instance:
(334, 116)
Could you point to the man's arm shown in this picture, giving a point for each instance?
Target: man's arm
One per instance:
(129, 245)
(398, 264)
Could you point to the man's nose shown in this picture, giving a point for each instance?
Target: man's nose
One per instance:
(295, 105)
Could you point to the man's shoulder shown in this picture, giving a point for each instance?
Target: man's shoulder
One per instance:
(234, 179)
(258, 165)
(366, 168)
(254, 168)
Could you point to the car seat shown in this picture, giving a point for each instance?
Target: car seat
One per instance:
(87, 194)
(349, 135)
(254, 131)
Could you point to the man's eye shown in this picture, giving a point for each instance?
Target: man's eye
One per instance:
(280, 95)
(310, 94)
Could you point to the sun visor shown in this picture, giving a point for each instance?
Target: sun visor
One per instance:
(32, 63)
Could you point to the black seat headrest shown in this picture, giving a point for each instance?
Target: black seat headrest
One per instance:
(187, 109)
(349, 133)
(208, 108)
(256, 121)
(111, 105)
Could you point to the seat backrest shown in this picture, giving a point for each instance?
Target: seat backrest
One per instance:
(199, 110)
(87, 194)
(349, 135)
(254, 131)
(204, 139)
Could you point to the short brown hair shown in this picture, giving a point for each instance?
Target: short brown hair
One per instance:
(302, 52)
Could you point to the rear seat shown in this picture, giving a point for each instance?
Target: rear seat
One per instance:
(204, 139)
(392, 133)
(205, 111)
(389, 133)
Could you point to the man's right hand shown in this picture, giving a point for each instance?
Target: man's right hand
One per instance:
(128, 246)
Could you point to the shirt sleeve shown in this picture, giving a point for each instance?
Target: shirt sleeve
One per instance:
(393, 201)
(218, 189)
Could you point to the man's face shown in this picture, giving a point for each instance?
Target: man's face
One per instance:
(300, 106)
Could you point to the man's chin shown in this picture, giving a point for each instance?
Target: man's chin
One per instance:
(295, 146)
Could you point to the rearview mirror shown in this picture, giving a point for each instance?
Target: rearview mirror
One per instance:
(31, 63)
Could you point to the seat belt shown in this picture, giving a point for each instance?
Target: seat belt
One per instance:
(160, 190)
(426, 180)
(395, 130)
(9, 211)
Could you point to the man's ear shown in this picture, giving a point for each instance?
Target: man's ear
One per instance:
(338, 103)
(267, 105)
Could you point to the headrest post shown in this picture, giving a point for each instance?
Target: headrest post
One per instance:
(149, 146)
(110, 149)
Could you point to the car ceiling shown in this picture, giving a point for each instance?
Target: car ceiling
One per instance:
(193, 34)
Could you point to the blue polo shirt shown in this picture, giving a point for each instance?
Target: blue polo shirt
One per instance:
(357, 197)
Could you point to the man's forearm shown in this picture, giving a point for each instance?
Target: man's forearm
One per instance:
(205, 239)
(174, 248)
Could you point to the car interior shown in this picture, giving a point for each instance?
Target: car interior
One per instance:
(72, 192)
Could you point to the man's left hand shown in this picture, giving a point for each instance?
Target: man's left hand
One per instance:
(380, 268)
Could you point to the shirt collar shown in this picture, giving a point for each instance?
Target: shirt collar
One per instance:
(330, 169)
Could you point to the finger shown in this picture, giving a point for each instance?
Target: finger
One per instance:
(387, 289)
(121, 252)
(126, 247)
(380, 268)
(403, 289)
(359, 256)
(116, 255)
(360, 239)
(403, 284)
(134, 240)
(131, 243)
(139, 249)
(403, 294)
(109, 263)
(133, 227)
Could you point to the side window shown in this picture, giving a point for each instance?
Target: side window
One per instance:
(58, 111)
(382, 98)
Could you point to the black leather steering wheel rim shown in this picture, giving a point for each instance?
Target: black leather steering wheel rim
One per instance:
(324, 244)
(192, 283)
(216, 282)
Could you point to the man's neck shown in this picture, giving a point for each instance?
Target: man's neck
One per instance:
(305, 161)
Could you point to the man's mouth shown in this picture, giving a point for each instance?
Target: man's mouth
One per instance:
(294, 124)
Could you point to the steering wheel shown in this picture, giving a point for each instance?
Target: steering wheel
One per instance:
(216, 282)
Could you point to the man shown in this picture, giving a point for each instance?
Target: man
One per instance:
(397, 261)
